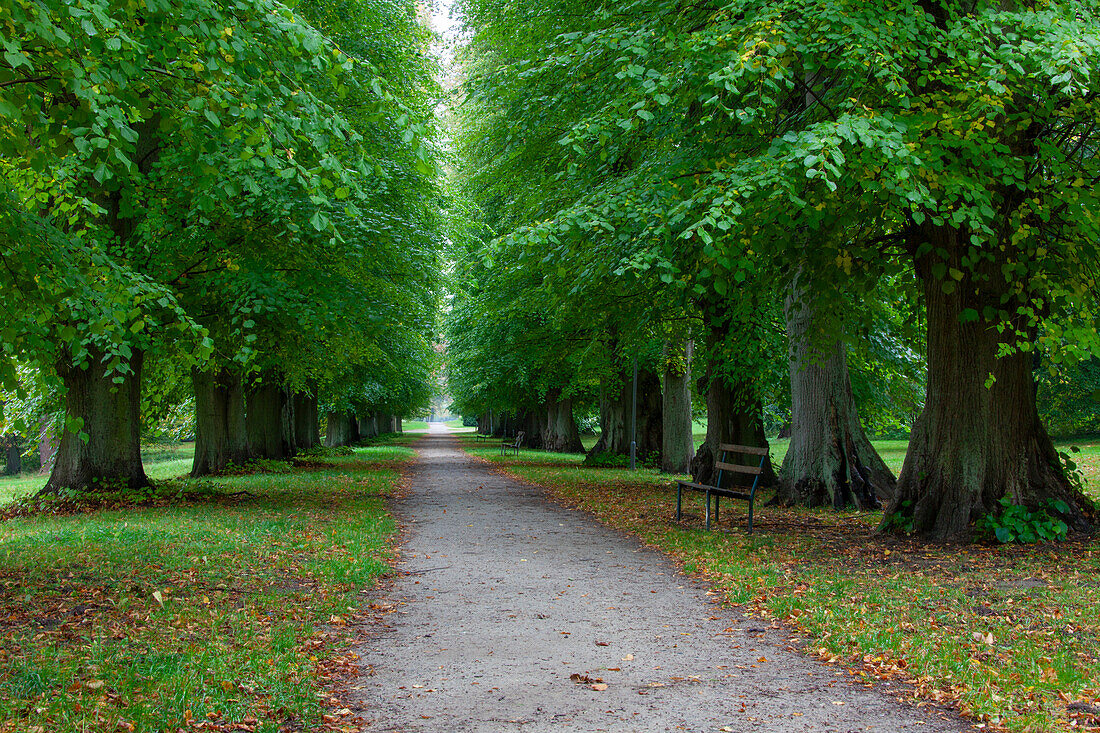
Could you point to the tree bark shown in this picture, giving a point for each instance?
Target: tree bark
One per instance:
(307, 431)
(264, 418)
(677, 442)
(485, 424)
(111, 457)
(974, 444)
(615, 415)
(221, 434)
(733, 416)
(48, 444)
(561, 435)
(369, 426)
(338, 429)
(354, 436)
(830, 461)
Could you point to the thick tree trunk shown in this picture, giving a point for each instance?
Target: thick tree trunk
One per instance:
(13, 458)
(677, 443)
(221, 434)
(111, 457)
(615, 415)
(830, 461)
(354, 436)
(533, 425)
(974, 444)
(398, 426)
(307, 431)
(561, 435)
(369, 426)
(338, 430)
(733, 416)
(264, 419)
(485, 424)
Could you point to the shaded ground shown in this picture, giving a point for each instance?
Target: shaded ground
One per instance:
(511, 613)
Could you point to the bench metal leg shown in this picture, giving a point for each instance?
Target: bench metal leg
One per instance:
(679, 493)
(752, 500)
(707, 511)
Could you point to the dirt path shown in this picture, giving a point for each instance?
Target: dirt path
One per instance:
(507, 595)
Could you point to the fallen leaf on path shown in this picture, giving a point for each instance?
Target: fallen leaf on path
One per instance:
(599, 686)
(628, 658)
(584, 679)
(603, 643)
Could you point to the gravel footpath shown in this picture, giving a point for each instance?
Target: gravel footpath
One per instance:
(514, 614)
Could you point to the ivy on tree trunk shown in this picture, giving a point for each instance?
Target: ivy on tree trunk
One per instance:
(979, 437)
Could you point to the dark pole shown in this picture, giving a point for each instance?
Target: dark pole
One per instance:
(634, 416)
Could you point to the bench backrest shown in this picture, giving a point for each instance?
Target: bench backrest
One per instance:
(749, 452)
(519, 439)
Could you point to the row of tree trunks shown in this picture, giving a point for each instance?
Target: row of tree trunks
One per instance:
(108, 411)
(616, 402)
(830, 461)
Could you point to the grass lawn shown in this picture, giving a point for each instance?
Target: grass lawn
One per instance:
(414, 425)
(1009, 634)
(229, 609)
(161, 462)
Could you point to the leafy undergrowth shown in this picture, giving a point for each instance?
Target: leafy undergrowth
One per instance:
(224, 614)
(1008, 634)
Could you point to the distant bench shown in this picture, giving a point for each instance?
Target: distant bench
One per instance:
(505, 446)
(717, 490)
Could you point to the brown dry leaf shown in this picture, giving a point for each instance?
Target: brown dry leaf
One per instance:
(599, 686)
(93, 684)
(603, 643)
(628, 658)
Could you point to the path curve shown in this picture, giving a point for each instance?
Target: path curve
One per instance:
(503, 595)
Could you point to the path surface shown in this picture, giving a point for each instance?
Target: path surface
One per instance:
(507, 595)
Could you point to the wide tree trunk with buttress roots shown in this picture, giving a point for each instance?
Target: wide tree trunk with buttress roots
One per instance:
(733, 416)
(830, 461)
(677, 443)
(979, 437)
(561, 434)
(110, 458)
(615, 411)
(221, 434)
(264, 419)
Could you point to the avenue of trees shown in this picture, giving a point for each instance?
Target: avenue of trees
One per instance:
(888, 207)
(220, 200)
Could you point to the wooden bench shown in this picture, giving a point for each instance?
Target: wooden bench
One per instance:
(717, 490)
(481, 437)
(505, 446)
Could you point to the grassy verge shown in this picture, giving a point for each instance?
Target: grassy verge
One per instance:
(414, 425)
(223, 613)
(1008, 634)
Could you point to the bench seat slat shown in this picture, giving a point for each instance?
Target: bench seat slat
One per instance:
(739, 468)
(694, 486)
(749, 449)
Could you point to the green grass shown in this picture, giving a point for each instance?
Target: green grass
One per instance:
(231, 607)
(456, 423)
(414, 425)
(160, 461)
(1009, 634)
